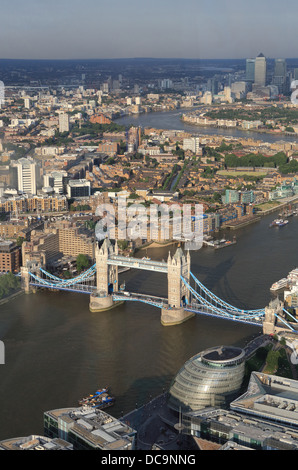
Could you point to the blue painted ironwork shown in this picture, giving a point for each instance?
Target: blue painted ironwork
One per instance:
(202, 302)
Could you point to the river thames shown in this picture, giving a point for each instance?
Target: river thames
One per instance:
(171, 120)
(57, 351)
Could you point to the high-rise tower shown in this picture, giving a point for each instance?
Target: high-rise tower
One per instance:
(260, 70)
(26, 168)
(280, 75)
(250, 70)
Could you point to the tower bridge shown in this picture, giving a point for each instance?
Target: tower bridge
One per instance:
(187, 296)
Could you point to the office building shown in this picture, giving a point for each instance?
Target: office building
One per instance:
(56, 180)
(260, 71)
(227, 429)
(280, 68)
(213, 85)
(250, 70)
(164, 84)
(78, 188)
(280, 76)
(239, 89)
(63, 123)
(89, 429)
(26, 175)
(269, 397)
(210, 378)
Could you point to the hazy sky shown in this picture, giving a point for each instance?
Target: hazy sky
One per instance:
(75, 29)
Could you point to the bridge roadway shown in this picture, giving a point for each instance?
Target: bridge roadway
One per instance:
(194, 307)
(78, 288)
(160, 302)
(146, 264)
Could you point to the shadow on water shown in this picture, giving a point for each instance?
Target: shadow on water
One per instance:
(213, 274)
(216, 280)
(140, 392)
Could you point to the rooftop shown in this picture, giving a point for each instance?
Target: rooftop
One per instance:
(222, 354)
(271, 397)
(96, 427)
(35, 443)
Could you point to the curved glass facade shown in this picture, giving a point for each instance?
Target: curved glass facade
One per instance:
(207, 379)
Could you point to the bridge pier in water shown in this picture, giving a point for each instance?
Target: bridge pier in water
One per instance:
(106, 279)
(107, 262)
(177, 308)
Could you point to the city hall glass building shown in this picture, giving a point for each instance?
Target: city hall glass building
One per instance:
(210, 378)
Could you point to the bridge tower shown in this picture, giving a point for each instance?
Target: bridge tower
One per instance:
(30, 266)
(106, 278)
(275, 307)
(178, 294)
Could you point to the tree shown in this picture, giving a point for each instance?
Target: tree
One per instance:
(20, 241)
(82, 262)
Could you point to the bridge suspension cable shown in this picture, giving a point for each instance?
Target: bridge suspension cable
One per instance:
(221, 302)
(54, 281)
(88, 273)
(227, 312)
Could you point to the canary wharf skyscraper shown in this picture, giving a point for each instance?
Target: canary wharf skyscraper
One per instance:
(250, 70)
(280, 76)
(260, 70)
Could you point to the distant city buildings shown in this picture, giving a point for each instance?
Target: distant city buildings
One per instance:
(192, 144)
(63, 123)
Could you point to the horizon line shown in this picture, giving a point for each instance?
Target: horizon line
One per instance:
(140, 58)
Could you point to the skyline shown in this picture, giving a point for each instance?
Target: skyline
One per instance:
(114, 30)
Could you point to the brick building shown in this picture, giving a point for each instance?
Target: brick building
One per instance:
(10, 257)
(100, 119)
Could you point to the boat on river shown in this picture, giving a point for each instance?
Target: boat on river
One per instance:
(100, 399)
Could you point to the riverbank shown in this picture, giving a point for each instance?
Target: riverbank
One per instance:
(281, 204)
(279, 133)
(11, 297)
(171, 120)
(241, 223)
(157, 245)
